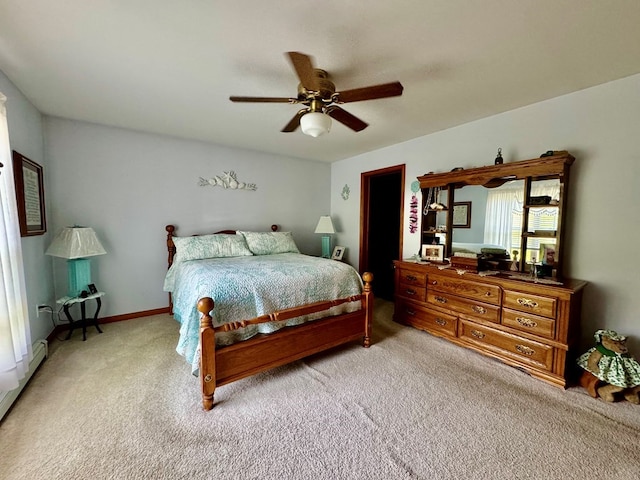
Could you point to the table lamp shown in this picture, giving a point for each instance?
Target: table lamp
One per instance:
(75, 244)
(325, 226)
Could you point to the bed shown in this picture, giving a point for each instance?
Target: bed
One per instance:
(479, 248)
(245, 310)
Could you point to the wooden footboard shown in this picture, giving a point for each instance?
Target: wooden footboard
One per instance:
(222, 365)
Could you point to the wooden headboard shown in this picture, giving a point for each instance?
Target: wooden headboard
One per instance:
(171, 248)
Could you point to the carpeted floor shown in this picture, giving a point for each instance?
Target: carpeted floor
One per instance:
(123, 405)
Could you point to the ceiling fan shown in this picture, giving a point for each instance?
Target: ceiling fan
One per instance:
(321, 100)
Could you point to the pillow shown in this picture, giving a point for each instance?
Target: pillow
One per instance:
(210, 246)
(269, 243)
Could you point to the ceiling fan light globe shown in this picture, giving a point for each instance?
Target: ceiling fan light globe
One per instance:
(315, 124)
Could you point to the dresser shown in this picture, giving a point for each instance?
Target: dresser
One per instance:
(530, 325)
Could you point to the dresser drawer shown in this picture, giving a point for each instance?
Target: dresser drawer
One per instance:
(419, 294)
(482, 292)
(411, 277)
(464, 306)
(525, 351)
(526, 322)
(425, 319)
(526, 302)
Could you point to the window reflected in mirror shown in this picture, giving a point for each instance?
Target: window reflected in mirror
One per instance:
(497, 218)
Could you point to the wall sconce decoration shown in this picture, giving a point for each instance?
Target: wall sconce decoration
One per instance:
(345, 192)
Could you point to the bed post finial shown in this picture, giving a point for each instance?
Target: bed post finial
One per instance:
(368, 278)
(274, 228)
(205, 305)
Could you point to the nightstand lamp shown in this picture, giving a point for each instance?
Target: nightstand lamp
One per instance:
(76, 244)
(325, 226)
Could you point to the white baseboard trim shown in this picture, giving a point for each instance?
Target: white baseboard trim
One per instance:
(40, 352)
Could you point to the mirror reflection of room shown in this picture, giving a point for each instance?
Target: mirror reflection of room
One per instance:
(497, 217)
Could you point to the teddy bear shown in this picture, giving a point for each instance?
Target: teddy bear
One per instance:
(609, 369)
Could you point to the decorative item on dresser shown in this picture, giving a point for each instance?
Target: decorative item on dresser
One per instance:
(485, 300)
(241, 344)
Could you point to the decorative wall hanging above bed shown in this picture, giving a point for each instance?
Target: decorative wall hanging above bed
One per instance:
(227, 180)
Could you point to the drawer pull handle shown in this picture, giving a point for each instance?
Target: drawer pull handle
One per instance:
(525, 350)
(487, 294)
(410, 291)
(479, 309)
(411, 277)
(477, 333)
(440, 299)
(526, 322)
(441, 321)
(410, 312)
(525, 302)
(434, 282)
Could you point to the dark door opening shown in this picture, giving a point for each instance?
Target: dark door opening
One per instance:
(382, 208)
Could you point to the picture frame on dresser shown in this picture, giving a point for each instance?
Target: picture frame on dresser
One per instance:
(433, 252)
(338, 253)
(548, 253)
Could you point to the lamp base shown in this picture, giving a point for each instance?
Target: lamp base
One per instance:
(326, 246)
(79, 270)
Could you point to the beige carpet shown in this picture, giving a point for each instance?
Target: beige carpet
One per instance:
(123, 405)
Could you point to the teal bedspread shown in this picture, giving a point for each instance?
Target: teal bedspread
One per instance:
(250, 286)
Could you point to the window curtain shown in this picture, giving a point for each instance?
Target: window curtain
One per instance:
(505, 202)
(502, 203)
(15, 336)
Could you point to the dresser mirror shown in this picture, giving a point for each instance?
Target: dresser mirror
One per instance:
(514, 213)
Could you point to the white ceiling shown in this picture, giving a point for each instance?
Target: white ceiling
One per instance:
(169, 67)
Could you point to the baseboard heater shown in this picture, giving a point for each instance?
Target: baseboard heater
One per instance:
(40, 352)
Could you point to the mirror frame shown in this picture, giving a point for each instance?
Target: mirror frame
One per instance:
(555, 166)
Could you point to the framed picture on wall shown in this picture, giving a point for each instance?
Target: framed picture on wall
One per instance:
(462, 214)
(29, 195)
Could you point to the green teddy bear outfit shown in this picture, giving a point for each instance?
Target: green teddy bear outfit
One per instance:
(617, 369)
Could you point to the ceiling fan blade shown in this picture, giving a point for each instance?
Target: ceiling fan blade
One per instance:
(392, 89)
(344, 117)
(304, 69)
(294, 123)
(264, 99)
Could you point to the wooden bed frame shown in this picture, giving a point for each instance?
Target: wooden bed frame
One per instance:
(222, 365)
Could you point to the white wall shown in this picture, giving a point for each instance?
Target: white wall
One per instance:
(25, 136)
(129, 185)
(600, 126)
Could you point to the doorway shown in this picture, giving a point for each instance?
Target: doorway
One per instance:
(381, 220)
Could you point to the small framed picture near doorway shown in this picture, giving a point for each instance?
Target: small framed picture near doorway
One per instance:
(338, 253)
